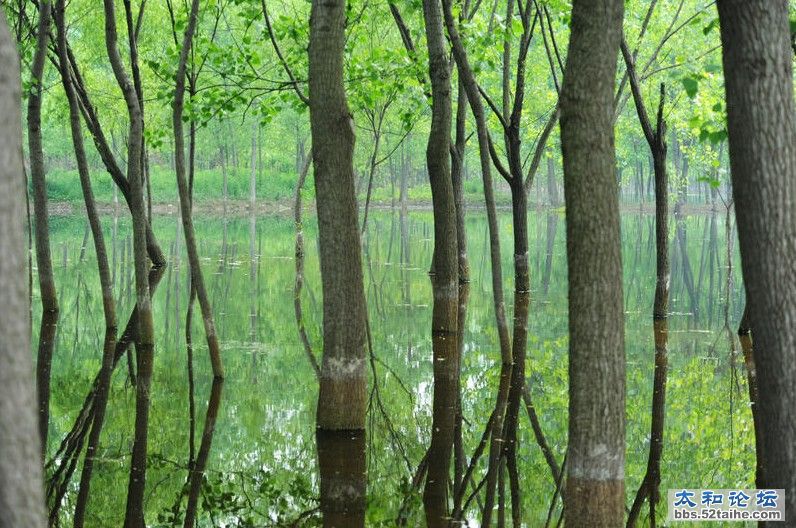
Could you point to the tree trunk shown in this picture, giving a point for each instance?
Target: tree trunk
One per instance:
(253, 169)
(495, 425)
(444, 276)
(595, 473)
(21, 497)
(552, 186)
(342, 396)
(457, 176)
(762, 135)
(49, 298)
(106, 283)
(656, 139)
(747, 346)
(134, 517)
(197, 279)
(552, 228)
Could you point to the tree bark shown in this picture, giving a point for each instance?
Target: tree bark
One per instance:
(762, 136)
(457, 177)
(21, 496)
(108, 303)
(298, 283)
(444, 275)
(342, 396)
(747, 346)
(656, 139)
(197, 279)
(595, 472)
(134, 517)
(49, 297)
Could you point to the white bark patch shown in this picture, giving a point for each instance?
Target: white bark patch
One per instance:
(343, 368)
(598, 464)
(340, 490)
(446, 292)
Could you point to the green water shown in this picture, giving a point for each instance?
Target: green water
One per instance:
(262, 467)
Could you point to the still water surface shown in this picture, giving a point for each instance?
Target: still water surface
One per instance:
(262, 467)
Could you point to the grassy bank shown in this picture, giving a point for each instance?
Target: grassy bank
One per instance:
(64, 186)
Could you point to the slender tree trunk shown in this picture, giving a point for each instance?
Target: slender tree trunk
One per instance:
(134, 517)
(107, 153)
(762, 134)
(745, 337)
(457, 176)
(444, 276)
(371, 171)
(688, 274)
(552, 186)
(476, 105)
(595, 474)
(460, 463)
(253, 168)
(552, 229)
(298, 283)
(106, 283)
(198, 467)
(197, 279)
(49, 297)
(21, 497)
(342, 396)
(656, 139)
(522, 298)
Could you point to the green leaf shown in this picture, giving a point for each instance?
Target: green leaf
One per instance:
(713, 182)
(718, 136)
(691, 86)
(710, 27)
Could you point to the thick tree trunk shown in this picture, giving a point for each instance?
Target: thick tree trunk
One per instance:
(444, 276)
(595, 473)
(21, 497)
(342, 401)
(342, 395)
(762, 134)
(49, 298)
